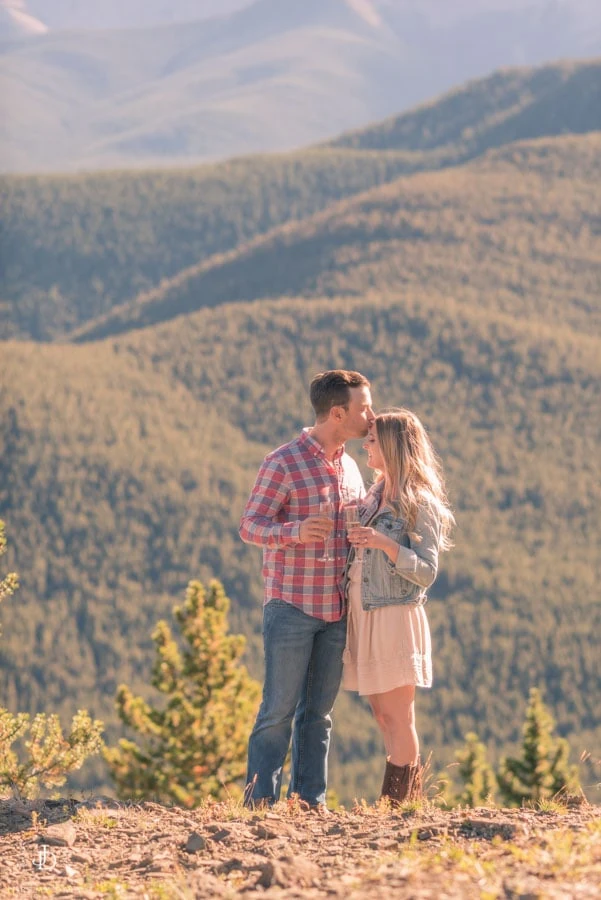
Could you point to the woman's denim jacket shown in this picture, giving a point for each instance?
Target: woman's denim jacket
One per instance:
(405, 581)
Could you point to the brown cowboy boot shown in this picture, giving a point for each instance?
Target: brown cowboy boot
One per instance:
(387, 776)
(402, 783)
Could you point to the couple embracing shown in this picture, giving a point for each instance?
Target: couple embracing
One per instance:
(344, 602)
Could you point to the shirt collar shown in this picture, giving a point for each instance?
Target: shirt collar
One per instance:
(315, 447)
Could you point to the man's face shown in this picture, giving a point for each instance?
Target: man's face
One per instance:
(359, 415)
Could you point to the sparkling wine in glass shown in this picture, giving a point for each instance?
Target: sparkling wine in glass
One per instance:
(326, 508)
(351, 515)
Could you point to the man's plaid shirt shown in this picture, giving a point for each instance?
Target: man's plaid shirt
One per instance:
(290, 484)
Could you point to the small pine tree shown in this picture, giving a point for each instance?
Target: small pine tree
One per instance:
(36, 752)
(475, 772)
(543, 770)
(10, 582)
(195, 747)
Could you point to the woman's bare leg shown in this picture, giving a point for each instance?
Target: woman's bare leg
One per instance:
(394, 712)
(374, 702)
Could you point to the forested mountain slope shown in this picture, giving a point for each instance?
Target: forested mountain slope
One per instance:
(126, 465)
(469, 292)
(516, 231)
(510, 105)
(73, 247)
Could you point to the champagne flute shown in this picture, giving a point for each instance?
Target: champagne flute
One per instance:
(351, 517)
(326, 508)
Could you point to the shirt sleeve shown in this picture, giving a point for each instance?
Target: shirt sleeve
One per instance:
(268, 498)
(418, 563)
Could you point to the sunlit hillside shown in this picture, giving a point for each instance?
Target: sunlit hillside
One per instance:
(161, 331)
(74, 247)
(126, 465)
(514, 231)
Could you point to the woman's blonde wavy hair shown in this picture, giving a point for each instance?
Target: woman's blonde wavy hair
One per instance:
(413, 474)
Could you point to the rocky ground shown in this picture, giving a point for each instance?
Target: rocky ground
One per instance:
(100, 848)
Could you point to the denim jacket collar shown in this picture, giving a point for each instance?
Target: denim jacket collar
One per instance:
(371, 504)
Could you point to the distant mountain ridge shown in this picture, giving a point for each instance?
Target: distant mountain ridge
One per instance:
(74, 248)
(512, 104)
(384, 238)
(302, 257)
(78, 14)
(272, 75)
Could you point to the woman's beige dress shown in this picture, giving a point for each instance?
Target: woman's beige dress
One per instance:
(387, 647)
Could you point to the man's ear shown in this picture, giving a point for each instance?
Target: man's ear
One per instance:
(337, 413)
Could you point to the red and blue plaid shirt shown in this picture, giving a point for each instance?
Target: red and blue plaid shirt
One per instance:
(291, 482)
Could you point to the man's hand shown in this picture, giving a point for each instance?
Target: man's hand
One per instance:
(314, 529)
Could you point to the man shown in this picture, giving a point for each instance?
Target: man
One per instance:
(304, 617)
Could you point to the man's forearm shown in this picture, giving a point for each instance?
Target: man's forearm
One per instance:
(264, 532)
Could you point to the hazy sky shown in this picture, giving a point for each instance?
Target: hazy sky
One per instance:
(59, 14)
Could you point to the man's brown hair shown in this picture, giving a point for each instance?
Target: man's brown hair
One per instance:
(333, 388)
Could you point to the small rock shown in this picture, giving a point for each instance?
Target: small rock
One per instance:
(265, 833)
(70, 872)
(384, 844)
(303, 871)
(268, 875)
(195, 843)
(146, 861)
(432, 831)
(298, 871)
(228, 866)
(220, 835)
(63, 834)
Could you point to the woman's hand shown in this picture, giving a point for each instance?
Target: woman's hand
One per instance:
(363, 536)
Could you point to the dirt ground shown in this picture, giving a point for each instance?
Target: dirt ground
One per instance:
(102, 848)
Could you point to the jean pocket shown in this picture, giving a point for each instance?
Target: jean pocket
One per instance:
(272, 611)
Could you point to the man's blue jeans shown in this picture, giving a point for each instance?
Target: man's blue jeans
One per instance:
(303, 668)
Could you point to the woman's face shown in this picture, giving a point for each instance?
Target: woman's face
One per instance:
(375, 460)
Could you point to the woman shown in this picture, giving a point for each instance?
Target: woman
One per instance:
(405, 521)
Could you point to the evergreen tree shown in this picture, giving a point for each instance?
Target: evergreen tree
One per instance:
(37, 752)
(475, 772)
(195, 746)
(10, 582)
(543, 769)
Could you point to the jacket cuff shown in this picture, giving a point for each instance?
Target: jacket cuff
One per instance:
(406, 560)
